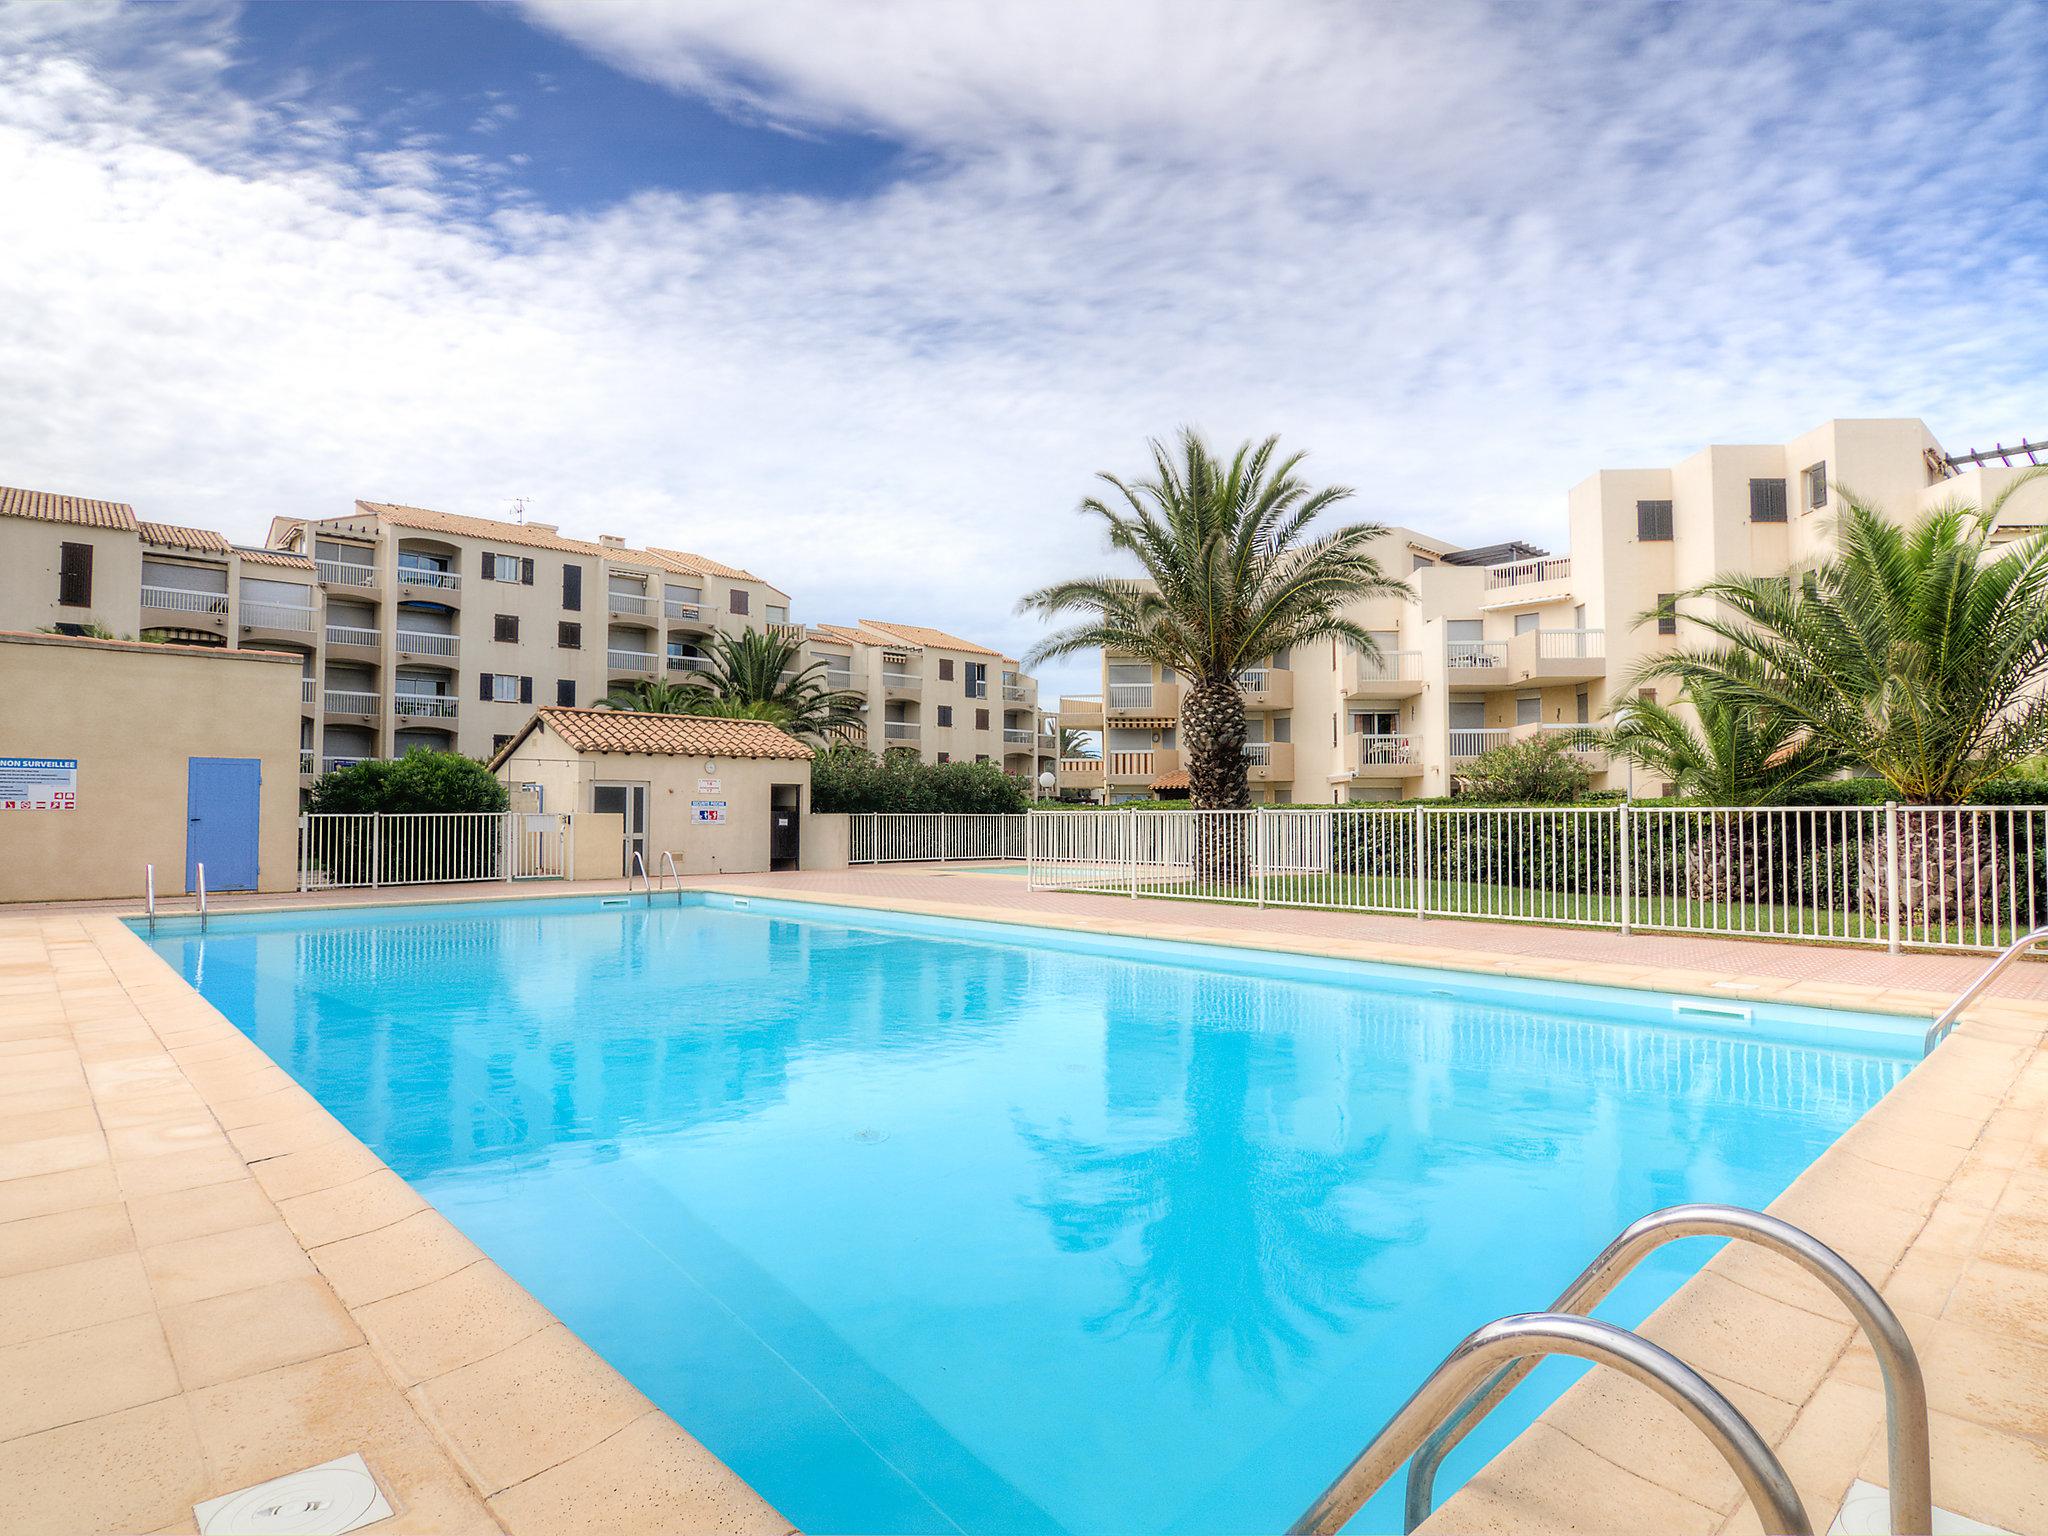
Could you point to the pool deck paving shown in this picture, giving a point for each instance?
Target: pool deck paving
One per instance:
(206, 1280)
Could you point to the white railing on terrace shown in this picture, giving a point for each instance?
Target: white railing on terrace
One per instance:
(838, 679)
(641, 661)
(631, 602)
(1255, 680)
(1472, 741)
(900, 730)
(184, 600)
(1575, 736)
(346, 573)
(431, 706)
(880, 838)
(1527, 573)
(1015, 693)
(288, 616)
(1130, 695)
(426, 642)
(1386, 751)
(1388, 666)
(675, 608)
(1259, 753)
(350, 634)
(329, 764)
(337, 851)
(309, 688)
(1571, 644)
(427, 576)
(305, 759)
(1013, 737)
(900, 680)
(1475, 653)
(689, 663)
(347, 701)
(1905, 877)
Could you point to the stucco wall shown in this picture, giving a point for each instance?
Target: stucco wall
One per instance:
(133, 716)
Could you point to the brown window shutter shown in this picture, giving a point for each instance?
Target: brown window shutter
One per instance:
(74, 575)
(981, 719)
(526, 573)
(490, 566)
(484, 686)
(945, 670)
(526, 690)
(572, 588)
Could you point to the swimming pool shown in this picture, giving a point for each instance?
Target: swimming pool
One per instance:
(926, 1225)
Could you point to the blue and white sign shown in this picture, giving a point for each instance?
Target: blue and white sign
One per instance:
(38, 783)
(707, 810)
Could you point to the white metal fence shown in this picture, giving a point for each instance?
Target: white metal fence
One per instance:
(339, 850)
(1962, 877)
(876, 837)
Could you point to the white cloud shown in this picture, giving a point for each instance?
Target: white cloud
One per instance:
(1464, 255)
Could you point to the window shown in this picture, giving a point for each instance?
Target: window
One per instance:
(1647, 695)
(1813, 485)
(1653, 521)
(1767, 501)
(737, 603)
(1528, 708)
(565, 693)
(977, 679)
(1417, 563)
(945, 715)
(1525, 622)
(74, 575)
(507, 568)
(572, 588)
(945, 757)
(1667, 613)
(504, 688)
(505, 627)
(499, 744)
(945, 669)
(981, 719)
(569, 636)
(981, 757)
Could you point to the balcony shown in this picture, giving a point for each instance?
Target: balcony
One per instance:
(1017, 693)
(840, 681)
(329, 764)
(901, 732)
(425, 642)
(289, 620)
(1015, 737)
(185, 608)
(1476, 663)
(1521, 583)
(689, 663)
(1142, 767)
(351, 703)
(1558, 655)
(687, 614)
(1389, 675)
(901, 685)
(353, 643)
(1385, 757)
(306, 762)
(1153, 701)
(1266, 688)
(424, 706)
(1083, 713)
(429, 579)
(1468, 742)
(1269, 762)
(309, 690)
(1080, 773)
(1587, 743)
(633, 608)
(631, 661)
(358, 576)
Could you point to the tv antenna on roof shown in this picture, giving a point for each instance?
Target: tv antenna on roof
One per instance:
(519, 508)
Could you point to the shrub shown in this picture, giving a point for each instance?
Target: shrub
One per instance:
(1538, 771)
(422, 780)
(849, 779)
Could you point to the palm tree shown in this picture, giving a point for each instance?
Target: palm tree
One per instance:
(1735, 755)
(1229, 580)
(1915, 650)
(653, 696)
(763, 676)
(1075, 743)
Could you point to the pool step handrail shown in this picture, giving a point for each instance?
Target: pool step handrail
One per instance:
(1951, 1016)
(149, 893)
(1905, 1390)
(641, 865)
(668, 868)
(1532, 1336)
(201, 868)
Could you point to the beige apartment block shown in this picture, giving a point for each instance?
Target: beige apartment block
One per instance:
(1509, 642)
(945, 698)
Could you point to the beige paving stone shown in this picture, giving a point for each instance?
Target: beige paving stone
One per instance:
(1768, 1346)
(42, 1123)
(52, 1154)
(196, 1212)
(2002, 1299)
(63, 1237)
(127, 1471)
(313, 1411)
(66, 1377)
(527, 1408)
(277, 1104)
(180, 1170)
(1986, 1378)
(384, 1262)
(1823, 1452)
(160, 1136)
(452, 1322)
(1547, 1482)
(194, 1268)
(1984, 1474)
(312, 1127)
(303, 1173)
(68, 1096)
(71, 1296)
(174, 1103)
(649, 1479)
(349, 1210)
(71, 1190)
(257, 1330)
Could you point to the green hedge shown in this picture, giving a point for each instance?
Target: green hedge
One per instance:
(850, 780)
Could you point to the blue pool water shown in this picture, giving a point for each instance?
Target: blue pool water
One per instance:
(928, 1226)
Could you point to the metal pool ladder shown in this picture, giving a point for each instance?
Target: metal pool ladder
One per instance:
(1476, 1376)
(1939, 1030)
(668, 868)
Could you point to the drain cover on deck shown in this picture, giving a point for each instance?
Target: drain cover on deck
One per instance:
(326, 1500)
(1867, 1511)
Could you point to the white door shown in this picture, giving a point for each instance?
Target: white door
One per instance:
(630, 801)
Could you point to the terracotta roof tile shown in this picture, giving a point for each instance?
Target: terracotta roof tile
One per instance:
(55, 507)
(531, 535)
(282, 557)
(173, 536)
(1178, 779)
(628, 730)
(682, 561)
(933, 639)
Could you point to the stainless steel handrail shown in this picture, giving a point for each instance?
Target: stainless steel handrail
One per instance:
(641, 865)
(668, 868)
(1533, 1335)
(1905, 1392)
(201, 868)
(1952, 1015)
(149, 892)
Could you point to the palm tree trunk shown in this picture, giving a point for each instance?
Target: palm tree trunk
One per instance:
(1212, 735)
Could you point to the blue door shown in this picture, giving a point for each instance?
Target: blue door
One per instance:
(223, 804)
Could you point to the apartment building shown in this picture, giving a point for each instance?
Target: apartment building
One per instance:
(1509, 641)
(945, 698)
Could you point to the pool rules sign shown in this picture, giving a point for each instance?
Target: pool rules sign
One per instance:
(38, 783)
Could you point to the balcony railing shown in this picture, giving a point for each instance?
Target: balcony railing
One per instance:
(1134, 765)
(900, 730)
(1377, 751)
(305, 759)
(1467, 655)
(345, 701)
(838, 679)
(426, 642)
(630, 661)
(309, 689)
(1576, 737)
(1130, 695)
(907, 680)
(350, 634)
(329, 764)
(288, 616)
(1527, 573)
(1015, 693)
(427, 576)
(347, 573)
(1389, 667)
(689, 663)
(1471, 741)
(1081, 767)
(631, 602)
(184, 600)
(1013, 737)
(1571, 644)
(675, 608)
(430, 706)
(1259, 753)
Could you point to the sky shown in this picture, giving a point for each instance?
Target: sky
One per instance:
(860, 295)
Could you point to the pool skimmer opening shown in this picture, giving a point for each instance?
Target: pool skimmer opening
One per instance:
(326, 1500)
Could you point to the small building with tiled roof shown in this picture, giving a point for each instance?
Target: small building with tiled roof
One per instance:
(716, 796)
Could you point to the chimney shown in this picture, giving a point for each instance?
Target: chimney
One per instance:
(611, 541)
